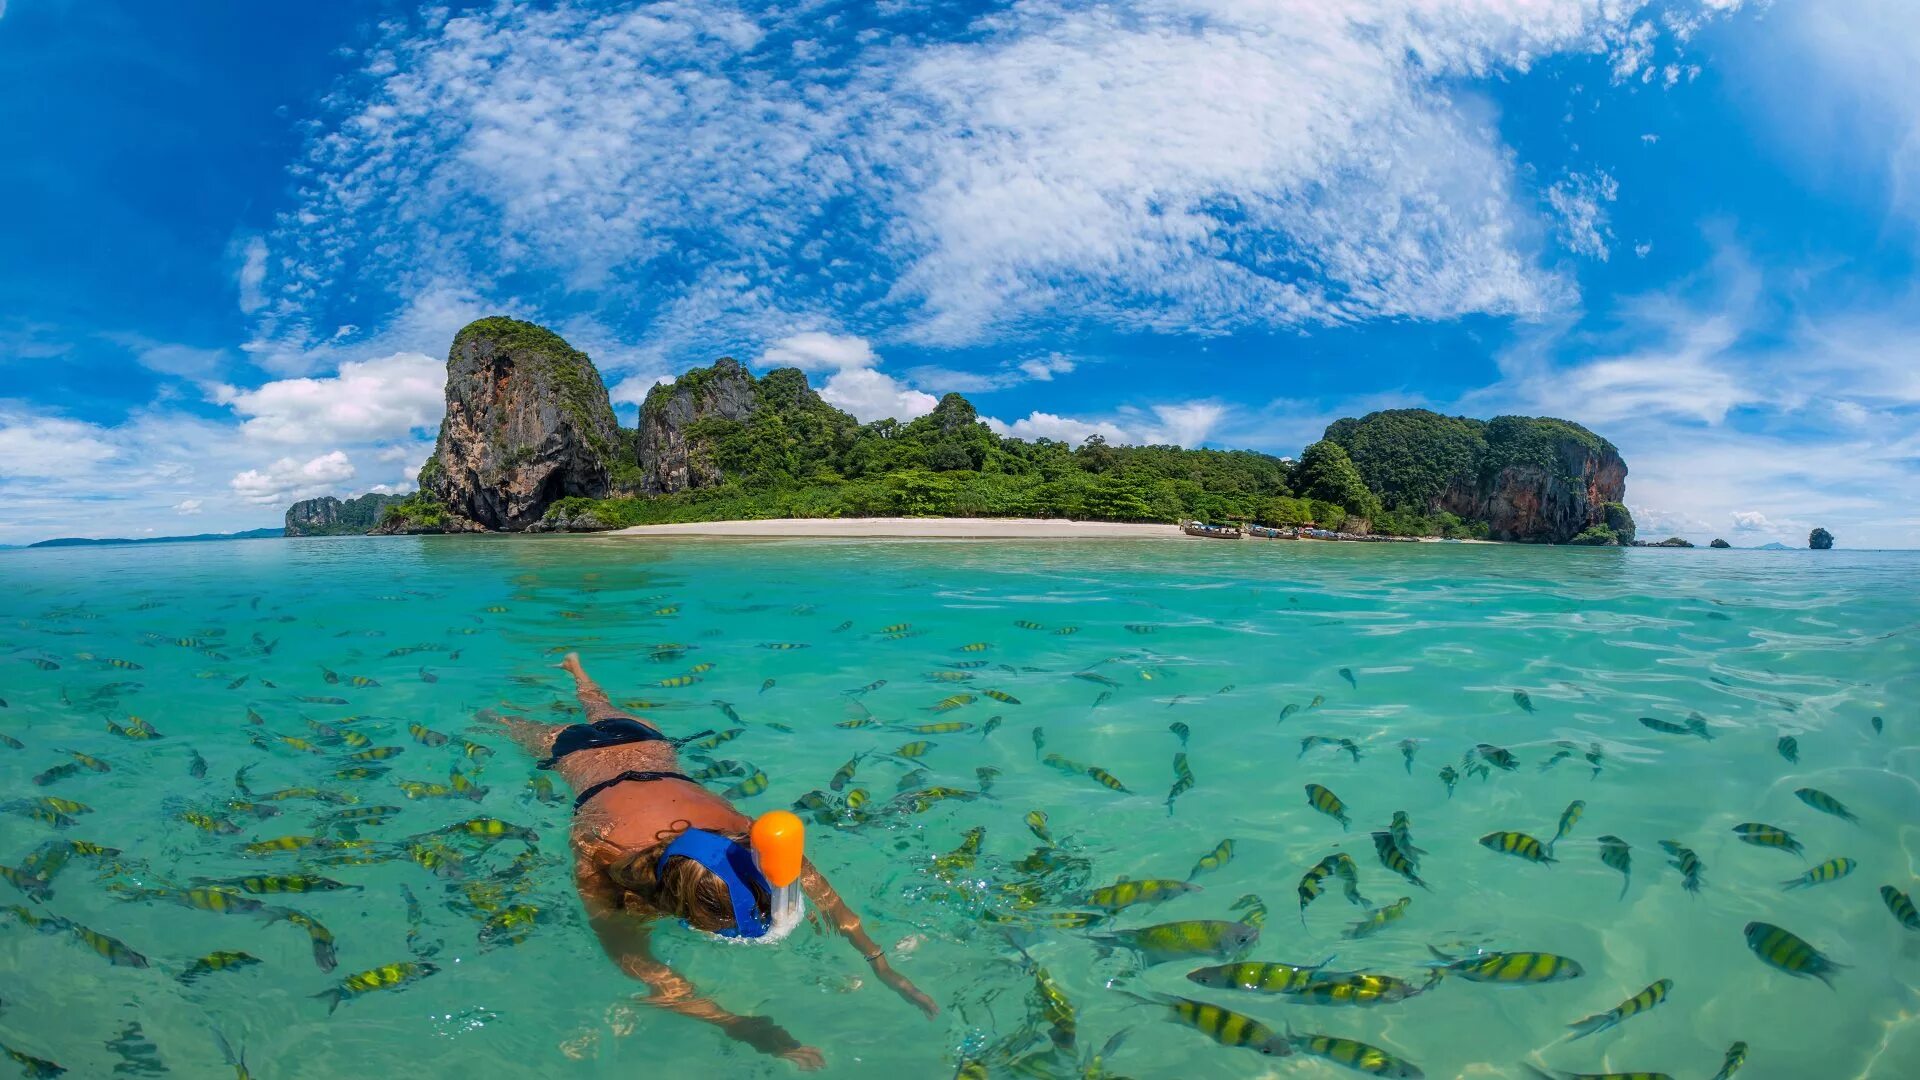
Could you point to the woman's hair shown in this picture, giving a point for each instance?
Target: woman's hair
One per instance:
(687, 890)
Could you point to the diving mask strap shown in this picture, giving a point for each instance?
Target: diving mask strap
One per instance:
(733, 864)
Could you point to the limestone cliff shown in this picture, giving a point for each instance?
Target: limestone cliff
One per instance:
(675, 454)
(1532, 479)
(528, 422)
(328, 516)
(719, 423)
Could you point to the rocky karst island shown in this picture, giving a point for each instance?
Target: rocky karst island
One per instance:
(530, 443)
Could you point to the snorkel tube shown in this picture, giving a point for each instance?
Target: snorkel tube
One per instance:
(773, 861)
(779, 844)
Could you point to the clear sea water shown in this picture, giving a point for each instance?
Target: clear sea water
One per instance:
(1437, 639)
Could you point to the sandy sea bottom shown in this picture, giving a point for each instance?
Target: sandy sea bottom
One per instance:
(1374, 645)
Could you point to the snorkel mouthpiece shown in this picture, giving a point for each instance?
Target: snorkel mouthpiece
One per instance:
(779, 846)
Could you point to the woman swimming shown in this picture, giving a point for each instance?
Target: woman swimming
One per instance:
(649, 842)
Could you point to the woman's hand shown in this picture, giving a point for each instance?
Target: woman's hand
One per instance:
(904, 987)
(770, 1038)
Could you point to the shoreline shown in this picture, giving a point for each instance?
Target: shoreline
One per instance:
(898, 528)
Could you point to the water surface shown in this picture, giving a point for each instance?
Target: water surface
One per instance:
(1219, 637)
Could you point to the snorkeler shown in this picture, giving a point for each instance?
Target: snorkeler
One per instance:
(649, 842)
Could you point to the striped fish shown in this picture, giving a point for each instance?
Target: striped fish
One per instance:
(1789, 748)
(1182, 780)
(1224, 1026)
(1328, 803)
(1752, 832)
(1221, 855)
(1394, 859)
(1267, 978)
(1781, 949)
(1517, 844)
(748, 788)
(1831, 870)
(1825, 803)
(1615, 853)
(1378, 918)
(1568, 819)
(1356, 988)
(1736, 1057)
(1355, 1055)
(948, 704)
(1002, 696)
(1901, 905)
(1510, 968)
(1125, 893)
(1402, 830)
(1633, 1006)
(1688, 863)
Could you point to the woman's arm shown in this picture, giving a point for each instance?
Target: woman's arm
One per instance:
(624, 936)
(821, 892)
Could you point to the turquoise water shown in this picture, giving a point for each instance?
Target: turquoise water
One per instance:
(1437, 639)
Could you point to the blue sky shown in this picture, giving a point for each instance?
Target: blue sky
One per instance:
(240, 236)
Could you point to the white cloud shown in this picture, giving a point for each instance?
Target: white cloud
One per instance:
(1180, 164)
(1044, 368)
(1187, 424)
(818, 351)
(287, 480)
(633, 391)
(1040, 425)
(870, 395)
(43, 447)
(252, 275)
(1581, 201)
(187, 507)
(367, 400)
(1751, 521)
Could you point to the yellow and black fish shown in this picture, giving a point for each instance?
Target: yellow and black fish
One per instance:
(1356, 988)
(844, 773)
(1782, 949)
(1127, 893)
(1518, 844)
(114, 950)
(425, 735)
(1106, 779)
(748, 788)
(1685, 861)
(1379, 918)
(1515, 968)
(948, 704)
(1001, 696)
(1224, 1026)
(1831, 870)
(1328, 803)
(1752, 832)
(1395, 859)
(1269, 978)
(1902, 907)
(1641, 1002)
(378, 753)
(1221, 855)
(1825, 803)
(217, 961)
(1182, 940)
(1183, 780)
(975, 646)
(1354, 1055)
(1615, 853)
(387, 977)
(1736, 1057)
(1568, 818)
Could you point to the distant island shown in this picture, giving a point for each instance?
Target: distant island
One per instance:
(530, 443)
(83, 541)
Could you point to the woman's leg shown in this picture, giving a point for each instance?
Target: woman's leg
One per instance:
(592, 698)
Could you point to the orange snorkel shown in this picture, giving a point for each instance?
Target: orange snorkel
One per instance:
(778, 839)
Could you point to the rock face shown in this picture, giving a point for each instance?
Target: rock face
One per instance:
(1529, 478)
(328, 516)
(528, 422)
(1719, 543)
(672, 453)
(1544, 481)
(1673, 542)
(1820, 540)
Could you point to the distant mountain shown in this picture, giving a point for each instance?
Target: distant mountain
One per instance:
(1775, 546)
(87, 541)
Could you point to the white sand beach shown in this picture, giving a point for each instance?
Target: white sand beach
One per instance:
(917, 528)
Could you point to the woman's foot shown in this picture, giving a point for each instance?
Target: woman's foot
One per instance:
(571, 665)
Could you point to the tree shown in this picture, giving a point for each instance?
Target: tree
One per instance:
(1326, 472)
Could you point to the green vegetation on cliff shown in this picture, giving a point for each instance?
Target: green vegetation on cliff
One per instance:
(567, 368)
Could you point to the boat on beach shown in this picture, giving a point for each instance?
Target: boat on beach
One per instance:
(1215, 532)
